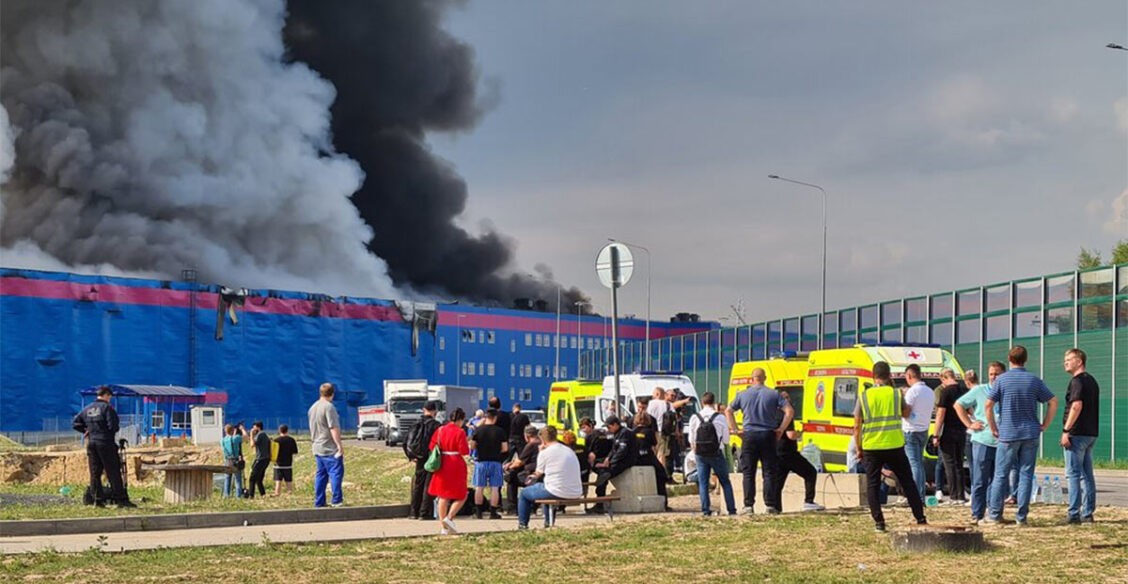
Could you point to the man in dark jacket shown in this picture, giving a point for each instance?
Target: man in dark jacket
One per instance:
(519, 468)
(261, 441)
(99, 424)
(422, 503)
(624, 453)
(517, 426)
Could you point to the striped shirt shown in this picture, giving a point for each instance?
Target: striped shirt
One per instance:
(1018, 393)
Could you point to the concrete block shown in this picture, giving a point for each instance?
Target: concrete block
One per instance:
(636, 486)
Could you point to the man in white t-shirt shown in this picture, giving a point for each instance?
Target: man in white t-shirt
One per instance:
(916, 413)
(558, 466)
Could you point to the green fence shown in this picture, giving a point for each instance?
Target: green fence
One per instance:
(1049, 314)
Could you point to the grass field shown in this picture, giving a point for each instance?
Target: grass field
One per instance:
(372, 477)
(822, 547)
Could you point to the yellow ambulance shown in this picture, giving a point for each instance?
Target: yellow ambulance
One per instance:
(785, 372)
(831, 382)
(571, 401)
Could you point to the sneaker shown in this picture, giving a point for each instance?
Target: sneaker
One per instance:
(900, 502)
(879, 527)
(596, 509)
(989, 522)
(1073, 521)
(341, 504)
(748, 511)
(1021, 523)
(127, 504)
(772, 511)
(922, 522)
(1087, 519)
(813, 507)
(494, 514)
(522, 527)
(478, 513)
(444, 531)
(449, 526)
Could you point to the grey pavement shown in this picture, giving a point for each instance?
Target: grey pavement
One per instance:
(303, 533)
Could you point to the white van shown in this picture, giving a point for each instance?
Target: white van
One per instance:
(635, 385)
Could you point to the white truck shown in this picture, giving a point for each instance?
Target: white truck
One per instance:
(404, 399)
(454, 396)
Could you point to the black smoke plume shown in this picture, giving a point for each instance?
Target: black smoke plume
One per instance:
(398, 75)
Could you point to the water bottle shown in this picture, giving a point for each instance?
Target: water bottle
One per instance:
(1044, 490)
(1057, 493)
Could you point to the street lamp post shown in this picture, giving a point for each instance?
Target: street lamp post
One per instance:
(579, 339)
(822, 313)
(649, 269)
(458, 355)
(556, 370)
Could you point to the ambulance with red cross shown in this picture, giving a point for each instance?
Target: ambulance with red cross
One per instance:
(832, 380)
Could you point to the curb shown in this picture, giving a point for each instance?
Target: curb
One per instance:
(10, 528)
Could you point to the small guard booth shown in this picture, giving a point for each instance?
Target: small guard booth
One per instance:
(151, 410)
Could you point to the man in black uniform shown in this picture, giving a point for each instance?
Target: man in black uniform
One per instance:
(517, 426)
(624, 453)
(504, 419)
(520, 467)
(416, 447)
(99, 424)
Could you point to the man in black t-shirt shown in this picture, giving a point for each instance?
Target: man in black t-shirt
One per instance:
(1079, 434)
(951, 434)
(490, 442)
(261, 440)
(790, 461)
(284, 460)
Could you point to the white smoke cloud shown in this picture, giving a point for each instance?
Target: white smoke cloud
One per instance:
(157, 136)
(1117, 220)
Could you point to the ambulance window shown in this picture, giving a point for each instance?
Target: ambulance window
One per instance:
(795, 396)
(562, 414)
(845, 395)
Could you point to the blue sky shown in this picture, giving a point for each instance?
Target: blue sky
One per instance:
(960, 143)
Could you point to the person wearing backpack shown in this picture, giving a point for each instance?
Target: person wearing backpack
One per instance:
(665, 417)
(416, 448)
(708, 435)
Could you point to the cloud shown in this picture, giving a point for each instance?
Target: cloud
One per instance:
(1120, 109)
(1117, 223)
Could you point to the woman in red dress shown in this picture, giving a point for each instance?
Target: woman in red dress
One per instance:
(448, 484)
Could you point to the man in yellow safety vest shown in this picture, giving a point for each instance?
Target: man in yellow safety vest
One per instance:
(881, 443)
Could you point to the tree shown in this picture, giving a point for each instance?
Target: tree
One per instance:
(1120, 252)
(1089, 259)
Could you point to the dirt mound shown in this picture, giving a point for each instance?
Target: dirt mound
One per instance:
(60, 468)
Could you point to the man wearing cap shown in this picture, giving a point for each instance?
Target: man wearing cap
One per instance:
(624, 452)
(422, 503)
(99, 424)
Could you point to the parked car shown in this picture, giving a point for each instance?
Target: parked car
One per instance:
(373, 429)
(536, 417)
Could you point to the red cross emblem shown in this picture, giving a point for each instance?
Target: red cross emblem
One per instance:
(914, 355)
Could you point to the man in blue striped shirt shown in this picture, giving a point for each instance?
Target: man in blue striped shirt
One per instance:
(1018, 393)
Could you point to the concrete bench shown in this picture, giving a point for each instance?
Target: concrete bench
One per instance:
(832, 490)
(188, 482)
(550, 506)
(638, 490)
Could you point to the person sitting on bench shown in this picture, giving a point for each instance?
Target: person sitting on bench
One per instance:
(624, 453)
(559, 470)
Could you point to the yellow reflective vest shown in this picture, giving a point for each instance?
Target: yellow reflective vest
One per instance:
(881, 419)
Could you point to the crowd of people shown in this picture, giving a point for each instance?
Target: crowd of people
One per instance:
(1001, 420)
(891, 435)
